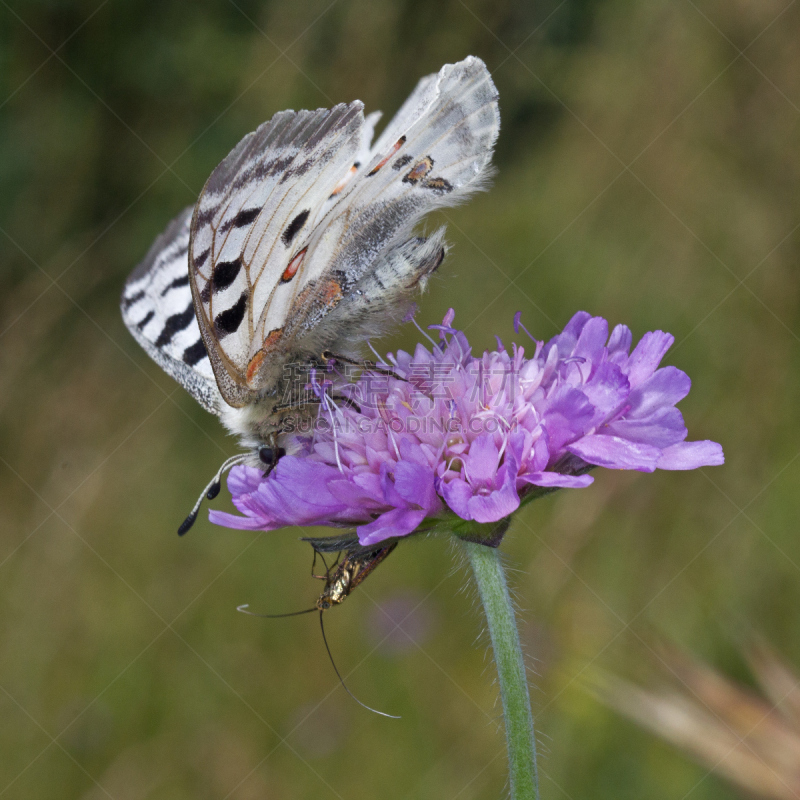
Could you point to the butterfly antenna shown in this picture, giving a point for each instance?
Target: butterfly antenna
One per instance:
(341, 680)
(211, 491)
(244, 609)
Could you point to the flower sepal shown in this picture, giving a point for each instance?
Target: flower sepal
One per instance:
(489, 534)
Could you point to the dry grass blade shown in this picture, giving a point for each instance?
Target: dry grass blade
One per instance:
(750, 740)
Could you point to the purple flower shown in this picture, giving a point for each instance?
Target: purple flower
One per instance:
(450, 432)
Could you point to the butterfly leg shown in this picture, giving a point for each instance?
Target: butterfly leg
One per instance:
(316, 401)
(348, 401)
(371, 366)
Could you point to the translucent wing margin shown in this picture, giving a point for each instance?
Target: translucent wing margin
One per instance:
(157, 309)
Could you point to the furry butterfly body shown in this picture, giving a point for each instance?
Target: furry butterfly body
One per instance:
(301, 243)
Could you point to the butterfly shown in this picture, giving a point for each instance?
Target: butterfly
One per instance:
(301, 246)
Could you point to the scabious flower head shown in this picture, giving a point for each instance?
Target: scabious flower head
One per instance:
(453, 433)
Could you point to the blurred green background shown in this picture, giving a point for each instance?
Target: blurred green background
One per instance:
(648, 167)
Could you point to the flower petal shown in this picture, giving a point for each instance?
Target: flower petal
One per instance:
(647, 356)
(568, 414)
(665, 387)
(690, 455)
(243, 479)
(410, 442)
(482, 460)
(495, 505)
(616, 453)
(557, 480)
(619, 344)
(660, 430)
(397, 522)
(457, 494)
(607, 390)
(414, 483)
(592, 340)
(352, 494)
(241, 523)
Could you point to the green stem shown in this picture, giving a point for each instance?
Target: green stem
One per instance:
(492, 587)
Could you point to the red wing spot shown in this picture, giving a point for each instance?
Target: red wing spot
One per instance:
(397, 145)
(331, 294)
(344, 181)
(273, 337)
(294, 265)
(419, 170)
(255, 363)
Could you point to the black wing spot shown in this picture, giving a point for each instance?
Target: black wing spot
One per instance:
(298, 170)
(176, 284)
(200, 259)
(205, 215)
(229, 320)
(194, 353)
(241, 220)
(134, 298)
(245, 217)
(402, 161)
(294, 226)
(439, 185)
(224, 274)
(147, 317)
(174, 324)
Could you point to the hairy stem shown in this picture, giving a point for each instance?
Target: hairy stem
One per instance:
(493, 590)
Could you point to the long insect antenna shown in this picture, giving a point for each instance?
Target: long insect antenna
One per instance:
(211, 491)
(243, 608)
(341, 680)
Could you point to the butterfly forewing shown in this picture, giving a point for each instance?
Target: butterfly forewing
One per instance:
(249, 229)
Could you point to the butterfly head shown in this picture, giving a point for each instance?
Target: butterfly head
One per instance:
(269, 456)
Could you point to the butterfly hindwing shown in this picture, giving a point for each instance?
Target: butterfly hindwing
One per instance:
(158, 310)
(434, 153)
(436, 150)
